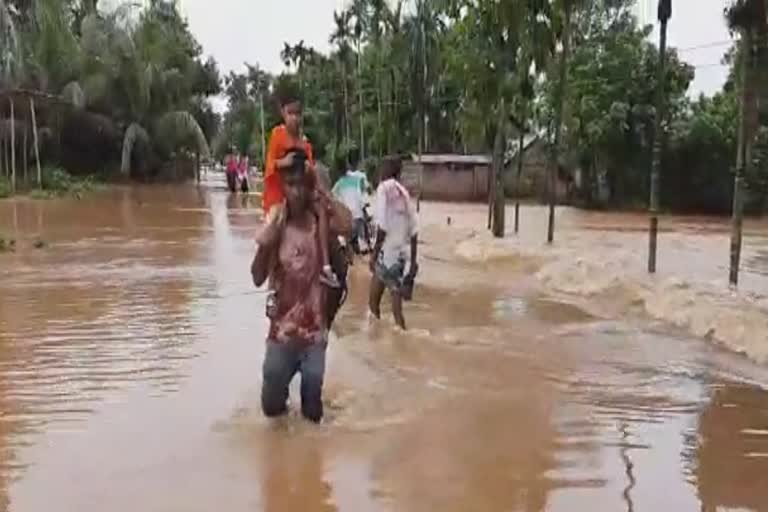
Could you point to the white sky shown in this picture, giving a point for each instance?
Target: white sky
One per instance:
(238, 31)
(695, 23)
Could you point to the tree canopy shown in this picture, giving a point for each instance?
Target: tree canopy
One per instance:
(135, 72)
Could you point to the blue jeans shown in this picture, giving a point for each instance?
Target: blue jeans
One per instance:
(281, 362)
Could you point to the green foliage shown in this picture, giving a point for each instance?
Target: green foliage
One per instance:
(5, 188)
(131, 67)
(697, 172)
(58, 182)
(610, 107)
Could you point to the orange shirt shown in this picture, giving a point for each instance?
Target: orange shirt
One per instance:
(280, 143)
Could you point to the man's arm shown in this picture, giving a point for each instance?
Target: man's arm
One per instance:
(266, 246)
(414, 223)
(381, 235)
(414, 253)
(340, 218)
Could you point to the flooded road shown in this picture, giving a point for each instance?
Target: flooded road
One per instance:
(532, 378)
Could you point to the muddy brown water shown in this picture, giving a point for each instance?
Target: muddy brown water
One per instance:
(130, 355)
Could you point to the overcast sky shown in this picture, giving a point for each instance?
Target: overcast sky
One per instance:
(238, 31)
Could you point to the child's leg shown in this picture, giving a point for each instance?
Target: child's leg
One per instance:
(327, 275)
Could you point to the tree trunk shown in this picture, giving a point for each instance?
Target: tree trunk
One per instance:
(263, 132)
(520, 151)
(379, 85)
(13, 149)
(499, 202)
(346, 104)
(425, 70)
(24, 159)
(36, 143)
(6, 166)
(657, 142)
(747, 114)
(362, 107)
(562, 85)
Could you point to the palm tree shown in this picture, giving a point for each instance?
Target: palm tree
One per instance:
(131, 77)
(748, 18)
(395, 55)
(379, 12)
(357, 11)
(340, 37)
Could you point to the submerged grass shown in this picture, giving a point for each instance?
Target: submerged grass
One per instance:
(56, 182)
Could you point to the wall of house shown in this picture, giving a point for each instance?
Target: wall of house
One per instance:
(447, 182)
(534, 181)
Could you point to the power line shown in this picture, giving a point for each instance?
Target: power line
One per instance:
(713, 44)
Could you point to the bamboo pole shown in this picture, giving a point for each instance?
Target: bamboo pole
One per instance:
(36, 143)
(13, 149)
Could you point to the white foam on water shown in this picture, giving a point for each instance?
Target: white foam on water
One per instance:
(613, 278)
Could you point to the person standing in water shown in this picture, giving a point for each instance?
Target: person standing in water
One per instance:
(393, 262)
(350, 190)
(288, 253)
(284, 140)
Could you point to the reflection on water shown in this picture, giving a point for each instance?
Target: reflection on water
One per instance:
(130, 353)
(731, 450)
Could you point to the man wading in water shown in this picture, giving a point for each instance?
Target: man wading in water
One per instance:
(393, 262)
(288, 252)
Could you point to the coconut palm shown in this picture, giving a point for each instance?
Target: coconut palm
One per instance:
(358, 16)
(341, 37)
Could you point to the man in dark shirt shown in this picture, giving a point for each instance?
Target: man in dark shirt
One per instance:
(288, 252)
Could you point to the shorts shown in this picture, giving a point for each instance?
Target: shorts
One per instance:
(358, 229)
(391, 276)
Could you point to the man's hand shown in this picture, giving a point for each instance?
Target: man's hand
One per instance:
(286, 161)
(270, 233)
(413, 271)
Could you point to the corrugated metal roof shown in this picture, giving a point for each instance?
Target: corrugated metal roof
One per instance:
(452, 159)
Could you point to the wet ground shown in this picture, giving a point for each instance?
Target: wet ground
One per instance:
(130, 352)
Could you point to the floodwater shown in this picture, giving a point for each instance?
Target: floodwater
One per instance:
(531, 379)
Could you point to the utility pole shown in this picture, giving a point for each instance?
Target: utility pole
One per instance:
(664, 13)
(746, 132)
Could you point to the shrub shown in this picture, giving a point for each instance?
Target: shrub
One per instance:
(56, 179)
(5, 188)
